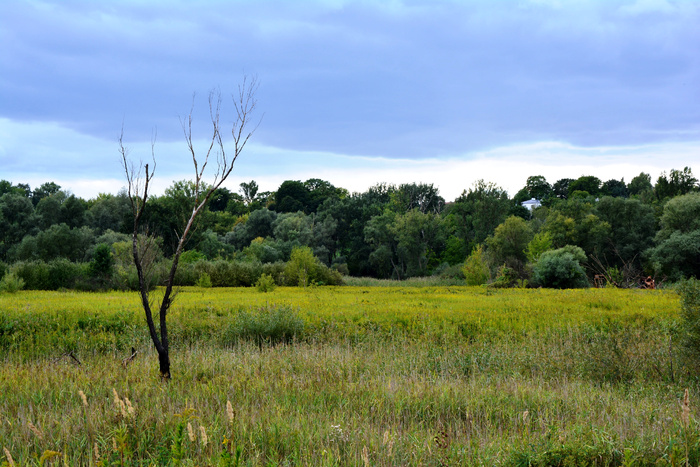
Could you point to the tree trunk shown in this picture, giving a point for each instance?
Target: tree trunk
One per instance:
(164, 361)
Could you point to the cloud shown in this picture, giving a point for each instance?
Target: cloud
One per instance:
(87, 166)
(392, 79)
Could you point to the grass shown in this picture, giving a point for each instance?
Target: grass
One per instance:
(377, 376)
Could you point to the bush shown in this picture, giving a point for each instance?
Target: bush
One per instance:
(301, 268)
(265, 283)
(276, 270)
(560, 269)
(475, 269)
(265, 325)
(10, 283)
(204, 281)
(507, 277)
(35, 274)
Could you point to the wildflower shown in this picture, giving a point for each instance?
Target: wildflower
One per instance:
(685, 414)
(203, 434)
(229, 411)
(35, 430)
(9, 457)
(83, 397)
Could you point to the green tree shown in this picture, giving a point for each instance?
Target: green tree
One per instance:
(292, 196)
(420, 196)
(632, 227)
(58, 241)
(574, 222)
(560, 189)
(45, 190)
(419, 241)
(678, 182)
(108, 212)
(319, 192)
(587, 183)
(102, 264)
(677, 250)
(541, 242)
(640, 184)
(615, 188)
(352, 214)
(479, 211)
(383, 255)
(48, 210)
(73, 211)
(538, 188)
(249, 190)
(17, 219)
(508, 243)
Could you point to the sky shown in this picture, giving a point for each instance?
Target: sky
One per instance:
(354, 92)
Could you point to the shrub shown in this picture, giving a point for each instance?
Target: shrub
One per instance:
(10, 283)
(560, 269)
(191, 257)
(265, 325)
(301, 268)
(507, 277)
(186, 273)
(204, 281)
(476, 271)
(276, 270)
(35, 274)
(265, 283)
(102, 264)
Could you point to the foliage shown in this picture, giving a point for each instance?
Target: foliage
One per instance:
(479, 211)
(640, 184)
(304, 269)
(10, 283)
(632, 225)
(509, 241)
(541, 242)
(191, 257)
(677, 183)
(102, 264)
(266, 283)
(677, 251)
(301, 268)
(561, 268)
(506, 278)
(204, 281)
(476, 270)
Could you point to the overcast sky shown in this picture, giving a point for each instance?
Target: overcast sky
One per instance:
(353, 92)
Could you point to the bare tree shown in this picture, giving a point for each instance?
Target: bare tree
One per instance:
(139, 180)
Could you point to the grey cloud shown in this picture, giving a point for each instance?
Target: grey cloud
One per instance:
(409, 79)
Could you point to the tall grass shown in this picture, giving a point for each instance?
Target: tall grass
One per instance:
(433, 376)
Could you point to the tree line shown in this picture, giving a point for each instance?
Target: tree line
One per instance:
(586, 229)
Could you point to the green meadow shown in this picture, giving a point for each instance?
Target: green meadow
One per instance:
(354, 375)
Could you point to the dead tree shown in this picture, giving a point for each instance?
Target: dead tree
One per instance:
(138, 183)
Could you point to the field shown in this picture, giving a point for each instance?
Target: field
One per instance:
(349, 376)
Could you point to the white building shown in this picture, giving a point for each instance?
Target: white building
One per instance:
(531, 204)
